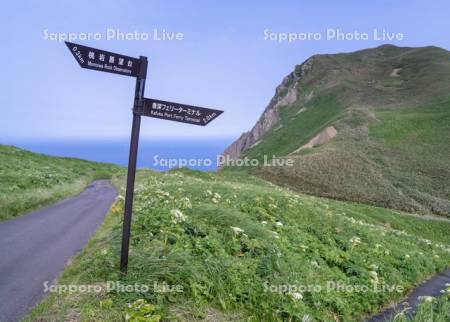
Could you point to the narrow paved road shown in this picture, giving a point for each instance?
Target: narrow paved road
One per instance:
(431, 287)
(35, 248)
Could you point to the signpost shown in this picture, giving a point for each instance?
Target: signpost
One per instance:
(105, 61)
(178, 112)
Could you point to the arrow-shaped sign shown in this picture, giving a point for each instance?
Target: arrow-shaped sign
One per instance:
(105, 61)
(177, 112)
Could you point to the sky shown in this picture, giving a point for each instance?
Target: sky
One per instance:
(232, 55)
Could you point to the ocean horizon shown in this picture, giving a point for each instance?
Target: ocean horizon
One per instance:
(156, 154)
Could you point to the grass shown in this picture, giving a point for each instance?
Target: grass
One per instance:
(234, 243)
(297, 129)
(392, 147)
(30, 180)
(429, 309)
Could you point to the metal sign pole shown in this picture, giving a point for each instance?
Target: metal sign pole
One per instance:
(105, 61)
(138, 102)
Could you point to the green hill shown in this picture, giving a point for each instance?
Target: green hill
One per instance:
(371, 126)
(30, 180)
(236, 248)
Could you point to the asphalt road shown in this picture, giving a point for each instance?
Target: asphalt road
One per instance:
(35, 248)
(431, 287)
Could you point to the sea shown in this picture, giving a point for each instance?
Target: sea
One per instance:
(156, 154)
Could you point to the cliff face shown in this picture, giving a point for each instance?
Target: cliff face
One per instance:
(285, 94)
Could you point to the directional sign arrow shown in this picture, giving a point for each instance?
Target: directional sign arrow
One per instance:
(105, 61)
(177, 112)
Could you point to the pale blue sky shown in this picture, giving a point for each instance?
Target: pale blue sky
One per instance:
(222, 62)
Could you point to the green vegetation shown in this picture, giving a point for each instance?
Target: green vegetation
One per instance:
(298, 129)
(31, 180)
(233, 243)
(429, 309)
(391, 109)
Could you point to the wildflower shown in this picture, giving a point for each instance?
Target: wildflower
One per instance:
(273, 206)
(275, 234)
(264, 222)
(304, 247)
(378, 245)
(355, 240)
(315, 264)
(373, 276)
(187, 202)
(279, 223)
(306, 318)
(373, 267)
(426, 298)
(214, 200)
(387, 252)
(177, 216)
(237, 230)
(407, 256)
(296, 296)
(217, 196)
(104, 251)
(209, 192)
(436, 256)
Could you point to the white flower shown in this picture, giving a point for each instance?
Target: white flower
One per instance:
(355, 240)
(177, 216)
(264, 222)
(217, 196)
(315, 264)
(407, 256)
(426, 298)
(237, 230)
(373, 267)
(187, 202)
(296, 296)
(279, 223)
(104, 251)
(214, 200)
(275, 234)
(373, 276)
(306, 318)
(304, 247)
(209, 192)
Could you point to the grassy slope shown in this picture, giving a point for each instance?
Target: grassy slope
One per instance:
(223, 273)
(392, 145)
(30, 180)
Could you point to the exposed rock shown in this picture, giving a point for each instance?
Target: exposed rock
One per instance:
(395, 72)
(323, 137)
(285, 95)
(300, 110)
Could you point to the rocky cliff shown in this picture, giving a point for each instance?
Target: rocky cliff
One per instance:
(285, 94)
